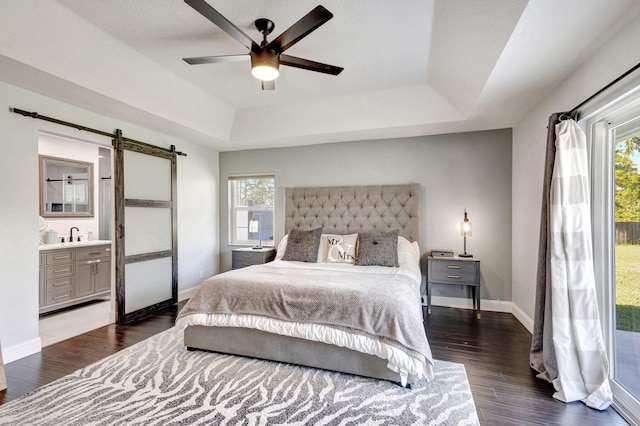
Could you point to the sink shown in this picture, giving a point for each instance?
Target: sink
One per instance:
(74, 244)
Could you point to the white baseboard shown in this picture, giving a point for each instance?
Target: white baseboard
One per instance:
(21, 350)
(523, 318)
(187, 293)
(462, 303)
(486, 305)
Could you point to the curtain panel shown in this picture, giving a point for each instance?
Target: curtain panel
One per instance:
(567, 347)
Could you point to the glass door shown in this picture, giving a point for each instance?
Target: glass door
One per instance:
(615, 144)
(146, 229)
(626, 304)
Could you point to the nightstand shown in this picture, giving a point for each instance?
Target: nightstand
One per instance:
(247, 256)
(456, 271)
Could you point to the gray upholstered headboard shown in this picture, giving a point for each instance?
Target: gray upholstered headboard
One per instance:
(351, 209)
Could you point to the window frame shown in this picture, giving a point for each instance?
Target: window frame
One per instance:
(233, 210)
(600, 126)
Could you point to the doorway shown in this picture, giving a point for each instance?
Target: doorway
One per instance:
(88, 313)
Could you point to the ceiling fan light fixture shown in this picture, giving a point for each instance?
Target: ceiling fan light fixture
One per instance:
(264, 65)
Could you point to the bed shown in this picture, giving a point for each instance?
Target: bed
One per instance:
(318, 308)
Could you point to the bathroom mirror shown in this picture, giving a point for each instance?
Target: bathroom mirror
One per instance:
(66, 187)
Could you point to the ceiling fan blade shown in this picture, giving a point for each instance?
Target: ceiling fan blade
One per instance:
(306, 64)
(216, 59)
(268, 85)
(223, 23)
(300, 29)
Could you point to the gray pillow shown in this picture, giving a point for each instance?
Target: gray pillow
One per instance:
(378, 249)
(303, 245)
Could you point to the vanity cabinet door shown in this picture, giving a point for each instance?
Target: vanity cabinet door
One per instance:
(92, 277)
(85, 271)
(103, 276)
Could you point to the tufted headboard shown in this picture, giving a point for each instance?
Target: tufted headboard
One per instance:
(351, 209)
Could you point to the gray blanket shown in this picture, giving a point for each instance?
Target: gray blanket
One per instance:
(386, 307)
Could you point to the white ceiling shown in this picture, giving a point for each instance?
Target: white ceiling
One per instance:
(412, 67)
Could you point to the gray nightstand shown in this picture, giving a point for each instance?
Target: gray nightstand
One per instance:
(247, 256)
(456, 271)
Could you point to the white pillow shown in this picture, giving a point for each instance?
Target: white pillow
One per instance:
(282, 247)
(408, 253)
(339, 248)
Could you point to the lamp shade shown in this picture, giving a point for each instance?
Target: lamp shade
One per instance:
(466, 229)
(265, 65)
(253, 225)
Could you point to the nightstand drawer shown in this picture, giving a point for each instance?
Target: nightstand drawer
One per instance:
(453, 271)
(241, 258)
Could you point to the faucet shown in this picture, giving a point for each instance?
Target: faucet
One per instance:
(71, 233)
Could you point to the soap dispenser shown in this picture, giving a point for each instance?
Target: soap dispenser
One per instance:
(50, 237)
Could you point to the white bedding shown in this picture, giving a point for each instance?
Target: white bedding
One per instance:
(399, 361)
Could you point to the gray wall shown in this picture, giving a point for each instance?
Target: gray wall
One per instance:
(456, 171)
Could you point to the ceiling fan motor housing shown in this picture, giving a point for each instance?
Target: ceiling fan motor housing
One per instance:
(264, 64)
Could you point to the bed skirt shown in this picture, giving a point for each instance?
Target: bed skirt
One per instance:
(275, 347)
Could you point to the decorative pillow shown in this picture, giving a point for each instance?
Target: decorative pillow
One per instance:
(376, 249)
(339, 248)
(282, 246)
(303, 245)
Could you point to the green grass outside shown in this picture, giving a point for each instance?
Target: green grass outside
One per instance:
(628, 287)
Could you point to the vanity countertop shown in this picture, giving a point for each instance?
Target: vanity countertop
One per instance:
(73, 245)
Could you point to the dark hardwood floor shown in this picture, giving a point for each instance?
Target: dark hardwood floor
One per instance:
(494, 350)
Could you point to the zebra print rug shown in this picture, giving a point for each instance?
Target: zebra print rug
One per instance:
(158, 382)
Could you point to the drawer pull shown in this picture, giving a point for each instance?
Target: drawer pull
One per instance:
(92, 261)
(61, 283)
(454, 276)
(107, 249)
(95, 253)
(57, 271)
(60, 257)
(453, 267)
(247, 257)
(60, 297)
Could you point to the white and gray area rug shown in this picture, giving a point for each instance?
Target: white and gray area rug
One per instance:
(159, 382)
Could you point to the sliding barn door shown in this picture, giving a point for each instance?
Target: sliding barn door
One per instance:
(146, 229)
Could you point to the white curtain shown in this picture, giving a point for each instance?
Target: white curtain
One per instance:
(581, 360)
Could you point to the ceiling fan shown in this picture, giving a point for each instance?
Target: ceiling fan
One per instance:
(266, 57)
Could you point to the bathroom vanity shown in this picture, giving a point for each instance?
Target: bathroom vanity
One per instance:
(73, 273)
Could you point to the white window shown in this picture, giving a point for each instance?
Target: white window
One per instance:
(251, 207)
